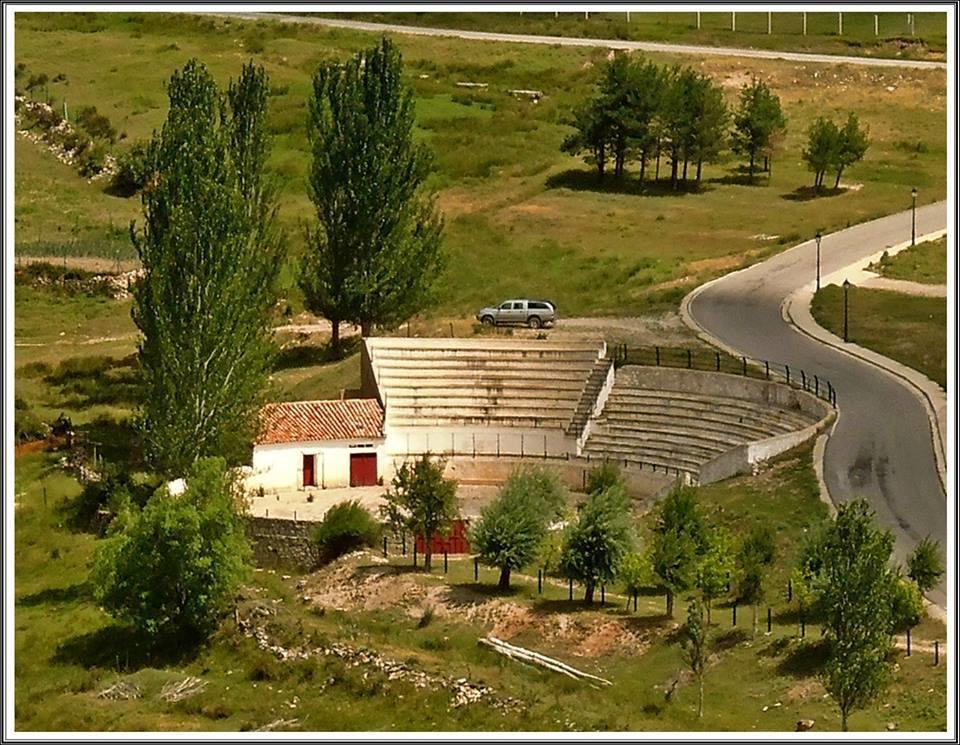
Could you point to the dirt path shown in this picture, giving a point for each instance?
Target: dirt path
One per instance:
(906, 287)
(97, 264)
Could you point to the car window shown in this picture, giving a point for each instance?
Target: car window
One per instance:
(518, 306)
(539, 306)
(504, 306)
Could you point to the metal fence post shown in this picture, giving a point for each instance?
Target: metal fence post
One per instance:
(803, 379)
(718, 361)
(414, 551)
(789, 590)
(540, 581)
(689, 359)
(769, 619)
(445, 565)
(766, 367)
(476, 569)
(571, 588)
(657, 350)
(734, 614)
(384, 547)
(744, 360)
(936, 653)
(908, 641)
(787, 367)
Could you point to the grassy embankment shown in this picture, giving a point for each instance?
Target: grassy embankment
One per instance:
(925, 263)
(906, 328)
(67, 650)
(894, 40)
(510, 198)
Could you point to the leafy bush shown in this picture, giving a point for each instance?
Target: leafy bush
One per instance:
(73, 368)
(346, 527)
(176, 569)
(27, 425)
(96, 124)
(34, 370)
(132, 170)
(602, 477)
(93, 159)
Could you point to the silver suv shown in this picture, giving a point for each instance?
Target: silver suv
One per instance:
(532, 313)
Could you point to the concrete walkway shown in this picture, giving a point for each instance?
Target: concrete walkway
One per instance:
(920, 289)
(572, 41)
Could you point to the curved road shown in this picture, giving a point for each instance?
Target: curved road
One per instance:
(881, 448)
(574, 41)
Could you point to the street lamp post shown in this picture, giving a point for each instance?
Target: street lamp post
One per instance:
(913, 220)
(819, 237)
(846, 288)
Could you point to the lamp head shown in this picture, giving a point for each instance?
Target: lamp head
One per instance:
(913, 193)
(846, 284)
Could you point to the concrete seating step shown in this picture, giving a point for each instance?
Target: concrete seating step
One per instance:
(758, 420)
(532, 422)
(723, 426)
(688, 448)
(639, 397)
(710, 441)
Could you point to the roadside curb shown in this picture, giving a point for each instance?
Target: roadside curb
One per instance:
(796, 311)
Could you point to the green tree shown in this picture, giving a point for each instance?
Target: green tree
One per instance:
(907, 605)
(648, 86)
(593, 132)
(210, 252)
(756, 556)
(709, 117)
(603, 476)
(374, 250)
(680, 539)
(634, 573)
(512, 527)
(852, 146)
(596, 544)
(421, 501)
(176, 566)
(716, 566)
(823, 149)
(345, 527)
(695, 650)
(855, 588)
(758, 122)
(925, 565)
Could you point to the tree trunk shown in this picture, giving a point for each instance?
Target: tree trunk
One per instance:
(588, 594)
(843, 720)
(601, 161)
(766, 163)
(751, 166)
(670, 603)
(427, 556)
(656, 175)
(365, 328)
(674, 163)
(836, 184)
(699, 169)
(700, 697)
(708, 603)
(335, 337)
(504, 583)
(754, 620)
(643, 167)
(684, 171)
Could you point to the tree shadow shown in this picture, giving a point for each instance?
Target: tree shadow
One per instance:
(118, 441)
(56, 595)
(577, 179)
(306, 355)
(805, 660)
(728, 639)
(808, 193)
(477, 593)
(124, 649)
(740, 179)
(97, 381)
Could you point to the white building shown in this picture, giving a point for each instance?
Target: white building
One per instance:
(325, 444)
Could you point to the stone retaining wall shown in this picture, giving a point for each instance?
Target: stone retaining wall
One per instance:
(282, 543)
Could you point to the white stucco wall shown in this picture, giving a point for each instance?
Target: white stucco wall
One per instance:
(280, 466)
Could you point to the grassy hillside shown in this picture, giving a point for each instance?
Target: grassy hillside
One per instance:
(521, 217)
(925, 263)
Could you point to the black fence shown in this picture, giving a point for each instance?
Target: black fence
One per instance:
(715, 361)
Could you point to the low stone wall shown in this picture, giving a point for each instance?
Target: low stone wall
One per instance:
(766, 392)
(282, 543)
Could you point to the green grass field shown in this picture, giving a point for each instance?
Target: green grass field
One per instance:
(906, 328)
(926, 263)
(510, 198)
(67, 650)
(892, 38)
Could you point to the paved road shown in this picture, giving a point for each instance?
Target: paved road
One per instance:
(570, 41)
(881, 448)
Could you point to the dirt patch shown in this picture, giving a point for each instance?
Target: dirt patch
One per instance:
(358, 584)
(85, 263)
(808, 689)
(36, 446)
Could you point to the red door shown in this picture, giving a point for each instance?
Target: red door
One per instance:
(309, 474)
(363, 469)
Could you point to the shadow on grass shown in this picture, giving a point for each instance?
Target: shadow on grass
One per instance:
(739, 179)
(307, 355)
(477, 593)
(805, 660)
(808, 193)
(123, 649)
(118, 441)
(56, 595)
(580, 180)
(98, 380)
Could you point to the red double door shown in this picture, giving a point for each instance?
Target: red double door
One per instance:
(363, 469)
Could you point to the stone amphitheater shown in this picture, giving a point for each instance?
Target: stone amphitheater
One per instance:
(483, 401)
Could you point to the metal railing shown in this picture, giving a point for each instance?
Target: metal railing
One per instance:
(710, 360)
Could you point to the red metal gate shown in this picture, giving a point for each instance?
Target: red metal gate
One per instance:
(363, 469)
(309, 474)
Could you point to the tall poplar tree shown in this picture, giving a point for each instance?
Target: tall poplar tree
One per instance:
(210, 252)
(374, 250)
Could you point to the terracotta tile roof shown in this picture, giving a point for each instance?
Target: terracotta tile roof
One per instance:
(308, 421)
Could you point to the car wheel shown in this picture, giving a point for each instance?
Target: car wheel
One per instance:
(487, 320)
(533, 322)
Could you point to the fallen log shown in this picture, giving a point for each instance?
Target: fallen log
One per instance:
(536, 658)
